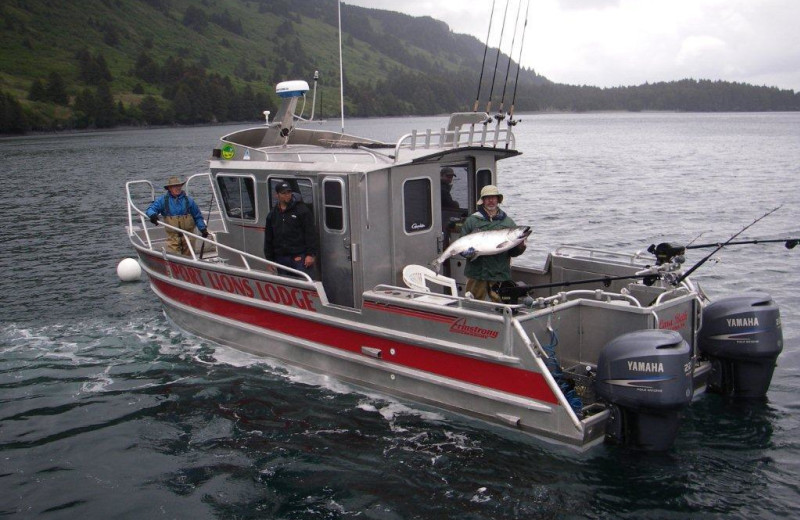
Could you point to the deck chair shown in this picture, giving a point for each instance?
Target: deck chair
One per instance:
(417, 277)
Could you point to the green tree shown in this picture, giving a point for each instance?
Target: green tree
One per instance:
(83, 109)
(182, 105)
(92, 69)
(37, 91)
(111, 35)
(12, 117)
(56, 89)
(105, 111)
(146, 68)
(195, 18)
(151, 111)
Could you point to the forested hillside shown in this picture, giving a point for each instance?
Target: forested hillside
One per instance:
(104, 63)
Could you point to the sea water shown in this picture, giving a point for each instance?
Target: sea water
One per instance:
(107, 410)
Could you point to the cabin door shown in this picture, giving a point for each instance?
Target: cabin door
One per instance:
(336, 242)
(416, 220)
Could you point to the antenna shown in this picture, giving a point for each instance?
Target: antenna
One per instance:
(341, 68)
(314, 97)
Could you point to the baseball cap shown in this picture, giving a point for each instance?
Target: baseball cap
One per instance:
(283, 187)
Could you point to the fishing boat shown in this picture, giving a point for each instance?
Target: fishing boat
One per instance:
(593, 345)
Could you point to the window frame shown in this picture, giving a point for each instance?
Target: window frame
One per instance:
(325, 205)
(224, 201)
(430, 214)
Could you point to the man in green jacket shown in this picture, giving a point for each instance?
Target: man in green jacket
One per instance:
(485, 271)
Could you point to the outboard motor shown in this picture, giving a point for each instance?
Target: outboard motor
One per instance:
(742, 337)
(647, 378)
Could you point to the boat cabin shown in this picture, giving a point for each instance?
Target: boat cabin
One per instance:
(377, 207)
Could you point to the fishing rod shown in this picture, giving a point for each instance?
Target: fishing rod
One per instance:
(497, 58)
(790, 243)
(666, 252)
(511, 121)
(483, 65)
(720, 246)
(669, 258)
(500, 114)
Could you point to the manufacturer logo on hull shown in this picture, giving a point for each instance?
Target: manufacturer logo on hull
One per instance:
(460, 327)
(677, 322)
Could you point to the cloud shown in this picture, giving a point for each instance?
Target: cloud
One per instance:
(701, 53)
(580, 5)
(629, 42)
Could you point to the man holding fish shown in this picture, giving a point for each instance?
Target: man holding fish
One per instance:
(489, 238)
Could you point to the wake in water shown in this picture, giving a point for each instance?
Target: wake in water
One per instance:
(151, 356)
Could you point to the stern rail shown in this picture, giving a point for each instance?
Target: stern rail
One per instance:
(598, 254)
(457, 138)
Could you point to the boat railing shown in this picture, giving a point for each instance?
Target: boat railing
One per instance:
(598, 254)
(586, 294)
(481, 135)
(315, 156)
(245, 258)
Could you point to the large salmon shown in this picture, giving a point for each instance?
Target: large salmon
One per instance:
(485, 243)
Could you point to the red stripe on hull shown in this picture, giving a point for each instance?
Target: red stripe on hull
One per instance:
(497, 377)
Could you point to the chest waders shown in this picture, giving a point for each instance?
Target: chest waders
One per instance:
(176, 243)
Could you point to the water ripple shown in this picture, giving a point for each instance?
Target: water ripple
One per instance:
(108, 411)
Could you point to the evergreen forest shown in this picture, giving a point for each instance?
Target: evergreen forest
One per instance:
(107, 63)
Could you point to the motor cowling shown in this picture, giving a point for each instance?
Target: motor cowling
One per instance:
(742, 337)
(646, 376)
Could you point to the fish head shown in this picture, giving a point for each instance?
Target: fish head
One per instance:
(523, 231)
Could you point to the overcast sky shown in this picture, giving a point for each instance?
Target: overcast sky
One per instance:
(607, 43)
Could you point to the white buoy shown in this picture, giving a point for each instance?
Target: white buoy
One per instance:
(129, 270)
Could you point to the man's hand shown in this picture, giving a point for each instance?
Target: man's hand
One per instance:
(154, 219)
(469, 253)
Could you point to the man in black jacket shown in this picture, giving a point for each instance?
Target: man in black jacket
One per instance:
(290, 237)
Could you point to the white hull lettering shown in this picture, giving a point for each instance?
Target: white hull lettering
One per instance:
(743, 322)
(645, 366)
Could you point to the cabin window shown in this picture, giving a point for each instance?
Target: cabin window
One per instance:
(333, 202)
(238, 196)
(482, 178)
(301, 189)
(418, 213)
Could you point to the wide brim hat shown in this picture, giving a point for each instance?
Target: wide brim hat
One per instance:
(174, 181)
(489, 190)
